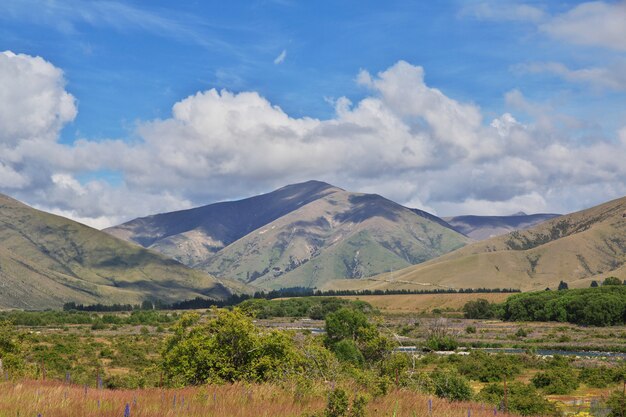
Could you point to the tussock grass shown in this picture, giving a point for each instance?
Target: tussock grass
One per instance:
(55, 399)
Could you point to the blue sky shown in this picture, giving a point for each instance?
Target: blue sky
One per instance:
(126, 64)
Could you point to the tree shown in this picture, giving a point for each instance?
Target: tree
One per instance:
(478, 309)
(612, 281)
(352, 325)
(617, 404)
(563, 286)
(521, 399)
(345, 323)
(556, 381)
(450, 385)
(10, 348)
(594, 284)
(227, 348)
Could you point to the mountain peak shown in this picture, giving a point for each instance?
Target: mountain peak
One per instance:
(310, 186)
(298, 235)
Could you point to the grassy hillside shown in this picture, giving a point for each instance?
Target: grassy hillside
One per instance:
(299, 235)
(193, 236)
(46, 260)
(576, 248)
(339, 235)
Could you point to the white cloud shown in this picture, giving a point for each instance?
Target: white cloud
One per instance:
(503, 11)
(33, 101)
(594, 23)
(611, 78)
(281, 57)
(67, 15)
(405, 140)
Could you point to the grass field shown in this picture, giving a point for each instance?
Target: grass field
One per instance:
(425, 303)
(54, 399)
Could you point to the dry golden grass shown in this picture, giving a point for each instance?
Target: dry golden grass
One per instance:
(53, 399)
(417, 303)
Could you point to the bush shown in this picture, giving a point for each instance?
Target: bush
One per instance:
(612, 281)
(397, 364)
(347, 351)
(442, 343)
(483, 367)
(350, 328)
(10, 348)
(337, 405)
(478, 309)
(227, 348)
(521, 332)
(450, 385)
(602, 306)
(556, 381)
(617, 404)
(522, 399)
(470, 329)
(599, 377)
(359, 405)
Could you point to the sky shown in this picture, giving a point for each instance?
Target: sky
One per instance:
(111, 110)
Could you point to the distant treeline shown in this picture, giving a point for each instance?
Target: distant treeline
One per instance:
(62, 318)
(597, 306)
(235, 299)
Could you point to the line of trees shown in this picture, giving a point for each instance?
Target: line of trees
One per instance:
(292, 292)
(597, 306)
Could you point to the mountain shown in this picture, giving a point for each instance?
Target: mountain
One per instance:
(47, 260)
(485, 227)
(576, 248)
(299, 235)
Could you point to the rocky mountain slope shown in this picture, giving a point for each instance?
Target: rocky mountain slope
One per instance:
(575, 248)
(47, 260)
(300, 235)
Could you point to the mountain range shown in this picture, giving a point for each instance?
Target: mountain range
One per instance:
(300, 235)
(576, 248)
(485, 227)
(47, 260)
(311, 235)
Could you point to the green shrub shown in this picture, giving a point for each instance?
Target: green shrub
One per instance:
(442, 343)
(98, 325)
(346, 350)
(478, 309)
(556, 381)
(521, 332)
(522, 399)
(228, 347)
(602, 306)
(470, 329)
(337, 405)
(484, 367)
(617, 404)
(359, 406)
(612, 281)
(450, 385)
(599, 377)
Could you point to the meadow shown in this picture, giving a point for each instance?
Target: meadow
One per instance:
(55, 399)
(230, 362)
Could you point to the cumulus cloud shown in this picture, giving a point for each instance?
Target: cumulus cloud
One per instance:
(34, 102)
(405, 140)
